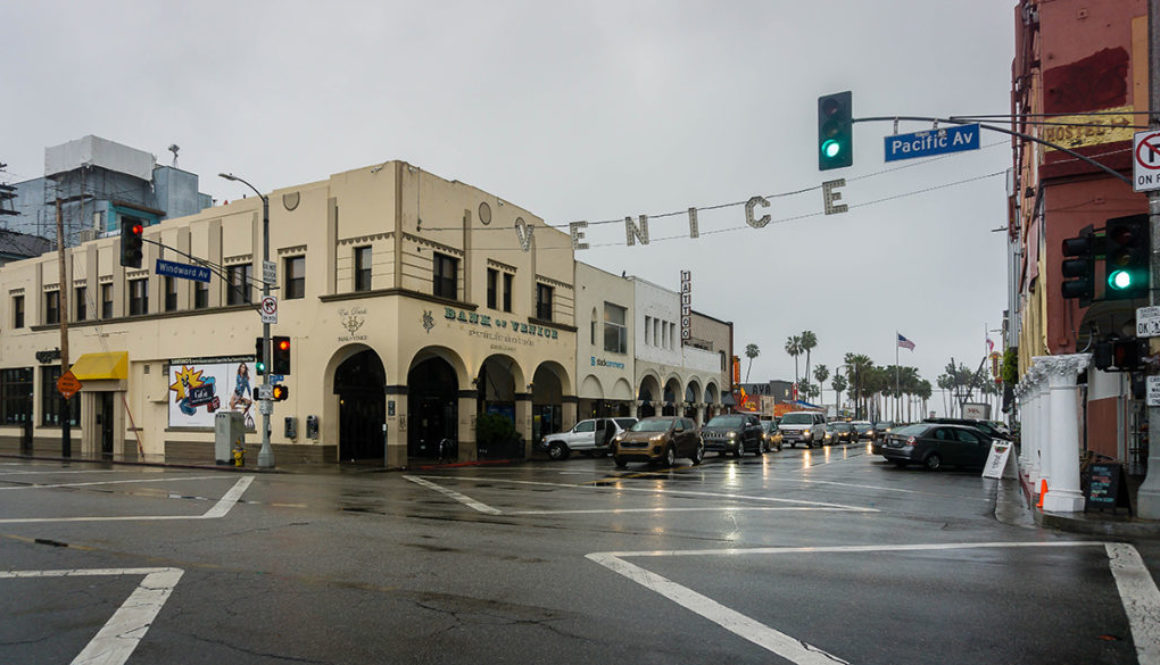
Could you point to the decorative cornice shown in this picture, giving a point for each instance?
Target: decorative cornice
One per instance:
(367, 238)
(492, 263)
(553, 282)
(296, 249)
(433, 245)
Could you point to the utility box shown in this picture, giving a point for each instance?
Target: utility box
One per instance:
(229, 429)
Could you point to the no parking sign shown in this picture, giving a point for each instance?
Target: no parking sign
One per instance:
(1146, 161)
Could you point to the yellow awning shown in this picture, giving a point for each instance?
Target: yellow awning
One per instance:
(98, 366)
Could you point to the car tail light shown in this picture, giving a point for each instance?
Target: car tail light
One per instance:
(910, 441)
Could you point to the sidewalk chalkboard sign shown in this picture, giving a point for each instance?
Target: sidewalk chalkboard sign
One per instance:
(1106, 488)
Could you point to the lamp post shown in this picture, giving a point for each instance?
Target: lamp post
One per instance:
(266, 454)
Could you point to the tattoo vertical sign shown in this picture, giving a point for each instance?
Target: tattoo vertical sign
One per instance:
(686, 306)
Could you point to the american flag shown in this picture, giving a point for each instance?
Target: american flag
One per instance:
(905, 343)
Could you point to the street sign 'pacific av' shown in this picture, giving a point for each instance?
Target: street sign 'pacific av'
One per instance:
(932, 142)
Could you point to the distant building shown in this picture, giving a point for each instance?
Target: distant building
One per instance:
(100, 183)
(15, 246)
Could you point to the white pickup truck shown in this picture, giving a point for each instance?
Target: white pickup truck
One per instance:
(591, 436)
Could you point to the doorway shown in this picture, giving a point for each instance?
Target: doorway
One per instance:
(105, 428)
(360, 384)
(432, 407)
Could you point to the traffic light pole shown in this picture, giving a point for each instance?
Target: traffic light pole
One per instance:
(1148, 497)
(266, 454)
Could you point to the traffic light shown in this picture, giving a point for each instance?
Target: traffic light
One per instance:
(281, 392)
(280, 358)
(131, 245)
(1128, 257)
(1120, 355)
(1081, 268)
(835, 131)
(260, 355)
(1128, 354)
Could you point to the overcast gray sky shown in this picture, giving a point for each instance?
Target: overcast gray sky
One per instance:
(585, 111)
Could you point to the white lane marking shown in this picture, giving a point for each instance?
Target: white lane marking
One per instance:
(57, 471)
(1137, 590)
(763, 636)
(1141, 600)
(117, 639)
(657, 490)
(219, 509)
(713, 509)
(462, 498)
(36, 486)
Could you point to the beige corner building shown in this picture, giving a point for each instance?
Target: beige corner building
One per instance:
(413, 305)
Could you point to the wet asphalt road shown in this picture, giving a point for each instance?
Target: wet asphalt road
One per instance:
(799, 556)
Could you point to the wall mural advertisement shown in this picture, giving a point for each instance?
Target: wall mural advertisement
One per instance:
(199, 388)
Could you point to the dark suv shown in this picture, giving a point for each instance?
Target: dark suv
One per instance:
(735, 433)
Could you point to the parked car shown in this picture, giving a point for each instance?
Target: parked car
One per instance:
(807, 427)
(842, 432)
(864, 429)
(985, 426)
(735, 433)
(935, 445)
(590, 436)
(773, 437)
(659, 439)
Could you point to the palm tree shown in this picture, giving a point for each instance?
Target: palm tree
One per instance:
(751, 352)
(923, 392)
(858, 367)
(808, 341)
(838, 384)
(793, 346)
(821, 373)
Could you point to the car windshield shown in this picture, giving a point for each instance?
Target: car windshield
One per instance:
(862, 427)
(768, 425)
(726, 421)
(797, 419)
(653, 425)
(910, 430)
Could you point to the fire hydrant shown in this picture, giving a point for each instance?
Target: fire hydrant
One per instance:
(239, 454)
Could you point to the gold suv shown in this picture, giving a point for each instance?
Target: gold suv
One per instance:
(659, 439)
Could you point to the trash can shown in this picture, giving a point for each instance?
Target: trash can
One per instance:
(229, 432)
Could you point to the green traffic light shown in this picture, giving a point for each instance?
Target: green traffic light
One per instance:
(831, 149)
(1120, 280)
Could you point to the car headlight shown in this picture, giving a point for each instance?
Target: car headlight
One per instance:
(733, 435)
(657, 438)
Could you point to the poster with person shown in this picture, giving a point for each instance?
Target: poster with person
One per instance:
(199, 389)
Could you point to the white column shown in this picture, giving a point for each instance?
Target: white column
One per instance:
(1044, 426)
(1063, 489)
(1026, 428)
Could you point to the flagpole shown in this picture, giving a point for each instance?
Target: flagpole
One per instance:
(896, 381)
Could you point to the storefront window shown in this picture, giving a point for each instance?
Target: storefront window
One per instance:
(16, 396)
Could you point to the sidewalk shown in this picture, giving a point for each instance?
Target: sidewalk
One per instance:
(1013, 505)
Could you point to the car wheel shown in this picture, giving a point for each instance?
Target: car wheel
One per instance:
(620, 461)
(933, 461)
(698, 453)
(739, 450)
(557, 451)
(670, 456)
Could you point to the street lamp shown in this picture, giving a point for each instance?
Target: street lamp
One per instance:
(266, 454)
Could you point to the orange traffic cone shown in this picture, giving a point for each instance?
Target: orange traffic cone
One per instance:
(1042, 492)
